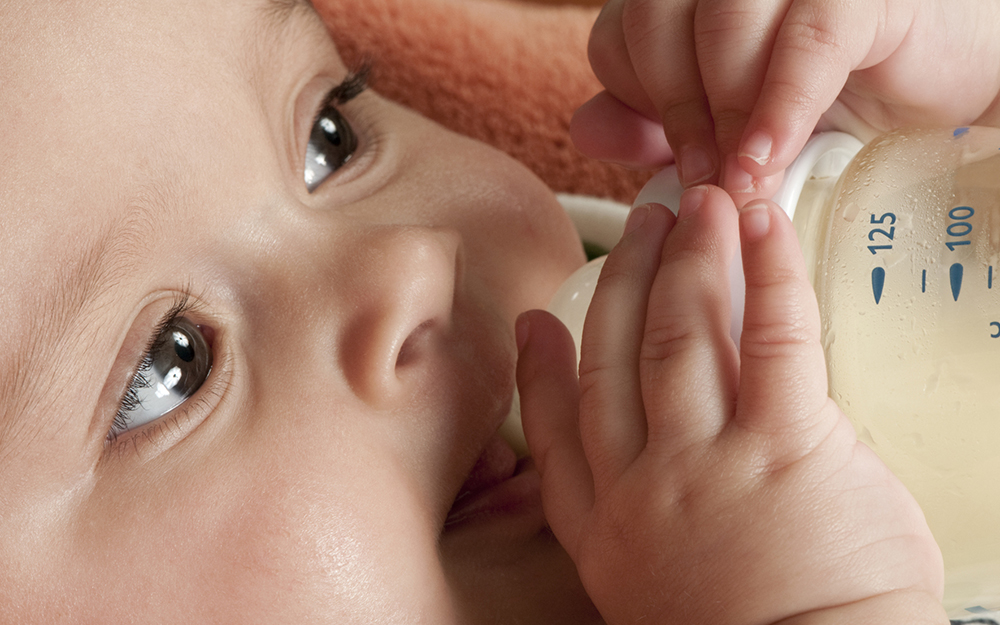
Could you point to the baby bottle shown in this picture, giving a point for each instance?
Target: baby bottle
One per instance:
(902, 243)
(904, 250)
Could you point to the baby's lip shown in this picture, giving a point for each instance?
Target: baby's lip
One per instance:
(498, 484)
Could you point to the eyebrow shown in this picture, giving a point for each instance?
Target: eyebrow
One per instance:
(274, 17)
(73, 309)
(278, 12)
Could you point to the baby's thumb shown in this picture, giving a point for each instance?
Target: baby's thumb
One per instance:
(550, 400)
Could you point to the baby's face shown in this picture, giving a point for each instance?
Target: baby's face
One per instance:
(340, 359)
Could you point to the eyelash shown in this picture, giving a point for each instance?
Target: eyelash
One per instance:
(130, 401)
(353, 85)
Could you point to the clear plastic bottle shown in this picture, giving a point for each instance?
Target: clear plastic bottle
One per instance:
(905, 258)
(902, 240)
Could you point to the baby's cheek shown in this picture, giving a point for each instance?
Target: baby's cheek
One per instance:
(324, 547)
(295, 552)
(241, 548)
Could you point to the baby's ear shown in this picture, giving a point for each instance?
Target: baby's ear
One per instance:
(504, 72)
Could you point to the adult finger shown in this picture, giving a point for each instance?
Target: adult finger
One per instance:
(612, 418)
(689, 364)
(550, 396)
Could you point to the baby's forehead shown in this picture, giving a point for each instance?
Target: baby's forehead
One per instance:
(49, 42)
(90, 69)
(99, 96)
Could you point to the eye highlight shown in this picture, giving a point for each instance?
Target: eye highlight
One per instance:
(177, 362)
(332, 140)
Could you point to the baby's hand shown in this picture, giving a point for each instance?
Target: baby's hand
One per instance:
(739, 86)
(694, 483)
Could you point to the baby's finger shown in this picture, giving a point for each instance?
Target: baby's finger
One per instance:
(817, 46)
(783, 381)
(660, 41)
(612, 418)
(609, 57)
(734, 42)
(550, 397)
(689, 365)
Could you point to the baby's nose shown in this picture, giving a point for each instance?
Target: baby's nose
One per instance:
(406, 289)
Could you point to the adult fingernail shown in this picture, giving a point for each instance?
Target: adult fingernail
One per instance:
(755, 220)
(758, 147)
(696, 165)
(637, 217)
(691, 201)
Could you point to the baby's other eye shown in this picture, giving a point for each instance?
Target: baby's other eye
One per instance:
(332, 142)
(175, 366)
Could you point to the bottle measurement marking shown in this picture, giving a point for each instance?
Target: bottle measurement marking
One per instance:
(959, 230)
(956, 280)
(878, 236)
(887, 219)
(955, 273)
(878, 283)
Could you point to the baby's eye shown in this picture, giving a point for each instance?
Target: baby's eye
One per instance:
(174, 368)
(332, 142)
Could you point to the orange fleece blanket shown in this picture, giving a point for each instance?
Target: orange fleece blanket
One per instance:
(503, 72)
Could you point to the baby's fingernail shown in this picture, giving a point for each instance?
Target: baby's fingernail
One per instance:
(755, 220)
(758, 147)
(691, 201)
(522, 328)
(696, 165)
(637, 217)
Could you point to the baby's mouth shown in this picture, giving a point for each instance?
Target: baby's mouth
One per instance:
(498, 484)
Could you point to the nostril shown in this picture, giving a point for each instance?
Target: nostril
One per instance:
(404, 301)
(410, 350)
